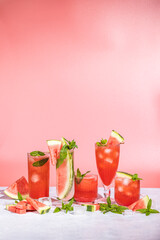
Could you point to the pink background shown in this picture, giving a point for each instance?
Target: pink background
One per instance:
(79, 69)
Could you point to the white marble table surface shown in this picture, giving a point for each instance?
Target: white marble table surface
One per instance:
(87, 226)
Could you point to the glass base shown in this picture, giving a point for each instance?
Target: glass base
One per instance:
(46, 200)
(107, 193)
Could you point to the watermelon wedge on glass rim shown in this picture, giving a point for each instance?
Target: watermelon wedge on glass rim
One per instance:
(62, 154)
(54, 147)
(115, 139)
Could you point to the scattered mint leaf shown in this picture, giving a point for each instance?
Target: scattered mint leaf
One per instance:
(20, 198)
(79, 176)
(71, 202)
(37, 153)
(62, 205)
(40, 162)
(63, 152)
(16, 201)
(148, 213)
(154, 211)
(148, 210)
(114, 208)
(149, 204)
(141, 210)
(135, 177)
(56, 210)
(109, 201)
(103, 142)
(68, 207)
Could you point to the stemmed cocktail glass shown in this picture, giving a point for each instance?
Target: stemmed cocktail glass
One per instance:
(107, 159)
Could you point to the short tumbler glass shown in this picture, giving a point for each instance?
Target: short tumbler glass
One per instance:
(127, 191)
(86, 189)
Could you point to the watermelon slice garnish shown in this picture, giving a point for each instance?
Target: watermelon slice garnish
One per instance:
(22, 205)
(124, 175)
(140, 204)
(54, 147)
(11, 207)
(91, 207)
(115, 139)
(21, 186)
(40, 207)
(65, 175)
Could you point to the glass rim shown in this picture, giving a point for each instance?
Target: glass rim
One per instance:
(127, 178)
(90, 175)
(118, 144)
(28, 153)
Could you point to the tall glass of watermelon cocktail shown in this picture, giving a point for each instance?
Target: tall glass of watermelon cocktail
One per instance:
(86, 187)
(38, 174)
(107, 159)
(127, 188)
(62, 155)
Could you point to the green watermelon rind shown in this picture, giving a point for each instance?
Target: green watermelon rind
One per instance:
(52, 142)
(90, 208)
(43, 210)
(124, 175)
(145, 201)
(14, 196)
(70, 169)
(9, 205)
(116, 135)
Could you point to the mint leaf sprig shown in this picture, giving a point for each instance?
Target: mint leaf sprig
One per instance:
(66, 207)
(63, 152)
(40, 163)
(71, 144)
(20, 198)
(148, 210)
(114, 208)
(37, 153)
(79, 177)
(102, 143)
(135, 177)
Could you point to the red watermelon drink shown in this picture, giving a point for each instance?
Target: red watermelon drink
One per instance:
(127, 188)
(107, 158)
(62, 154)
(86, 188)
(38, 174)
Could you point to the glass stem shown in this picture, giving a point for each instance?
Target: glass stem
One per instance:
(107, 191)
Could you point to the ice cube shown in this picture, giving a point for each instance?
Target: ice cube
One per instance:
(126, 181)
(46, 200)
(79, 209)
(110, 160)
(100, 155)
(128, 193)
(128, 213)
(120, 189)
(35, 178)
(107, 150)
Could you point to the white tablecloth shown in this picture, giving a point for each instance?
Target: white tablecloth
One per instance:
(87, 226)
